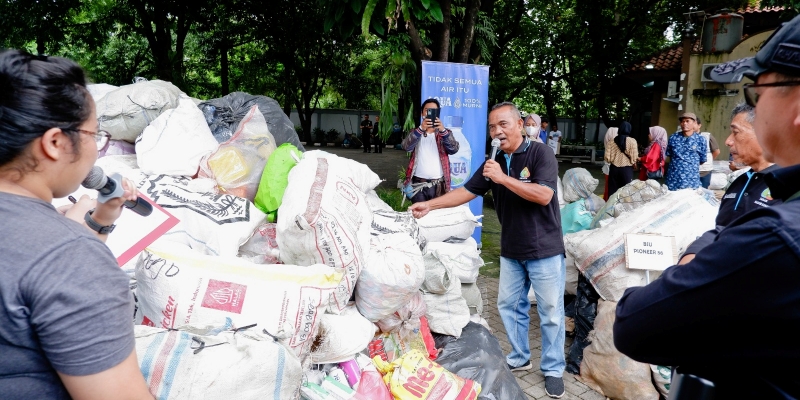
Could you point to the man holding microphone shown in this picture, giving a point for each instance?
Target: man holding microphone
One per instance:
(523, 177)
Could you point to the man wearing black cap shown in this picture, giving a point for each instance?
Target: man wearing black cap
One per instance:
(717, 316)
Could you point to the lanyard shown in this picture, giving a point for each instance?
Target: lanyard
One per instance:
(749, 176)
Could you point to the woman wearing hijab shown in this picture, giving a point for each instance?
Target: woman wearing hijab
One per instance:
(532, 123)
(653, 159)
(622, 155)
(66, 327)
(611, 133)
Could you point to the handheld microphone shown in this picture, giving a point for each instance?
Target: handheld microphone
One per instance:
(111, 187)
(495, 146)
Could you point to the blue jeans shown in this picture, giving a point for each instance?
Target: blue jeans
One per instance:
(547, 275)
(705, 181)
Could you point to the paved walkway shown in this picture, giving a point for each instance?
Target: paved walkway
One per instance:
(531, 381)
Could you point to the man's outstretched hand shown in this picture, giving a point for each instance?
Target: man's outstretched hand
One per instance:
(419, 210)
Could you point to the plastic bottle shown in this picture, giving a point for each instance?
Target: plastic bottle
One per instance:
(338, 375)
(352, 371)
(461, 162)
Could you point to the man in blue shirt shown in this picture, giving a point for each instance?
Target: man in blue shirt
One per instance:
(543, 132)
(686, 150)
(717, 312)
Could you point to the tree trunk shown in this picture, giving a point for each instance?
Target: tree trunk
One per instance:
(40, 44)
(549, 102)
(224, 67)
(443, 53)
(462, 54)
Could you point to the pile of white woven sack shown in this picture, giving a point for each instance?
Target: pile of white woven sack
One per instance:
(230, 304)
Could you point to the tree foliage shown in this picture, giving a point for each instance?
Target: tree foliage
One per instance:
(553, 57)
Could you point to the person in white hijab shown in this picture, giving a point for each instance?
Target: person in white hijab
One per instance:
(532, 125)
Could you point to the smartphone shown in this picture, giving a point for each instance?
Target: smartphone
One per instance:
(432, 114)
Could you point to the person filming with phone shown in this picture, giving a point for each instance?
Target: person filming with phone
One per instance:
(431, 145)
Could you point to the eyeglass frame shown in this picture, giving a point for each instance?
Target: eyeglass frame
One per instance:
(750, 95)
(97, 136)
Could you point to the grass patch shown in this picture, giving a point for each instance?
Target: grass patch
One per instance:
(393, 197)
(490, 239)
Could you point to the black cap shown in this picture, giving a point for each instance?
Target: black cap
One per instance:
(780, 53)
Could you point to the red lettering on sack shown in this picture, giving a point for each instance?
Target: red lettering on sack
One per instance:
(417, 385)
(224, 296)
(347, 192)
(168, 321)
(146, 322)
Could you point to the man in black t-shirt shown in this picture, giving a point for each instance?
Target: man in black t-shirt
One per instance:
(523, 178)
(366, 132)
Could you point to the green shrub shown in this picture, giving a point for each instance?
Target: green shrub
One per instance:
(332, 135)
(318, 134)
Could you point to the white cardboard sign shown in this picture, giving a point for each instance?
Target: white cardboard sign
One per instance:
(650, 252)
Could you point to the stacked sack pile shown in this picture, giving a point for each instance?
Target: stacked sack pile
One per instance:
(599, 255)
(287, 276)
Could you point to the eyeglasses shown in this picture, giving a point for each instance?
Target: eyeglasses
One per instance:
(101, 138)
(750, 95)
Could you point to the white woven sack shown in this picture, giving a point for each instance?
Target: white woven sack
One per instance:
(578, 184)
(341, 336)
(718, 181)
(608, 371)
(178, 287)
(244, 364)
(451, 225)
(393, 273)
(447, 313)
(98, 90)
(175, 142)
(463, 259)
(376, 203)
(560, 194)
(600, 253)
(325, 219)
(628, 198)
(210, 223)
(389, 221)
(126, 111)
(571, 281)
(359, 173)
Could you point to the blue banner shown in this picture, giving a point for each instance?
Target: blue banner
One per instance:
(463, 92)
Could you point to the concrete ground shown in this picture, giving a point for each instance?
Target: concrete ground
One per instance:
(387, 165)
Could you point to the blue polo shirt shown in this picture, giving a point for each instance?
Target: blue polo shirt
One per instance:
(733, 305)
(529, 230)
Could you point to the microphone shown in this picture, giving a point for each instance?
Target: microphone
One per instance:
(495, 145)
(111, 187)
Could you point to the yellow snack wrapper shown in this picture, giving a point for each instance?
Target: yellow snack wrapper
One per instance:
(413, 377)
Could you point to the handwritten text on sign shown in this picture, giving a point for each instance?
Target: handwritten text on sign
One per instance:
(651, 252)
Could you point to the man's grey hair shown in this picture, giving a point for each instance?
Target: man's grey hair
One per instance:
(508, 104)
(748, 111)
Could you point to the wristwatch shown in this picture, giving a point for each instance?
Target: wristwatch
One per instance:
(93, 225)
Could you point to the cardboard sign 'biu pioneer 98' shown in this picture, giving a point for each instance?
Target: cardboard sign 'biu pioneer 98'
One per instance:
(651, 252)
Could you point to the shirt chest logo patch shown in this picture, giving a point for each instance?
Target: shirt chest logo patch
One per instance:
(766, 194)
(525, 174)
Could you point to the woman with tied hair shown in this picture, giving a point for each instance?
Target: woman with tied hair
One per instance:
(653, 159)
(66, 311)
(608, 140)
(622, 155)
